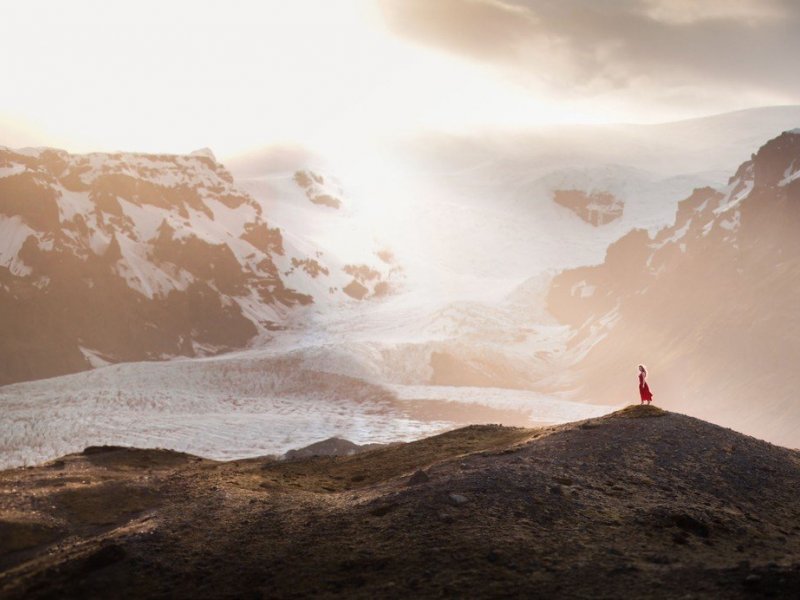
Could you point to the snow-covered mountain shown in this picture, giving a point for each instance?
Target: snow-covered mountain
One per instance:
(122, 257)
(466, 255)
(709, 303)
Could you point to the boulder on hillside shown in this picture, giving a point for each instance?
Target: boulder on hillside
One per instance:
(331, 447)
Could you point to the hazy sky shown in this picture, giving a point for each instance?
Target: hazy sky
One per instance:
(174, 76)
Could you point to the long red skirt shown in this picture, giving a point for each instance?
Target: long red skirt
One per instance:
(644, 390)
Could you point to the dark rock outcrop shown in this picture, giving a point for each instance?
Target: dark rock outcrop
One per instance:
(597, 208)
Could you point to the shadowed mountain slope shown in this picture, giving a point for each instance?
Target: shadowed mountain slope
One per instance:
(709, 304)
(638, 503)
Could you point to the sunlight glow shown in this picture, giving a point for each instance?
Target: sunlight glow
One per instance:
(156, 76)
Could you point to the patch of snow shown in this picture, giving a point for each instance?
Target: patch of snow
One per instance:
(204, 152)
(94, 358)
(32, 152)
(789, 175)
(15, 169)
(733, 223)
(13, 233)
(74, 203)
(142, 275)
(678, 235)
(734, 199)
(146, 218)
(228, 219)
(98, 241)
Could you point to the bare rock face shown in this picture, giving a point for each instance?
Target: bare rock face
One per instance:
(356, 290)
(331, 447)
(597, 207)
(367, 282)
(316, 191)
(709, 303)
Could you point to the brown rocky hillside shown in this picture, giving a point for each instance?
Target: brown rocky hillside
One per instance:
(641, 503)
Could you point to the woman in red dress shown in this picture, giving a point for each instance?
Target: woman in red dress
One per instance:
(644, 389)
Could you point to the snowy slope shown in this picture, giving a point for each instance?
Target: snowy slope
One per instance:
(345, 254)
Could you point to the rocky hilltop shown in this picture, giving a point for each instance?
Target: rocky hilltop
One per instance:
(127, 257)
(641, 503)
(709, 303)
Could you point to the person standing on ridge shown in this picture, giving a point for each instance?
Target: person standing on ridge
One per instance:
(644, 390)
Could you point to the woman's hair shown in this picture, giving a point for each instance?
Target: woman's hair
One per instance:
(643, 369)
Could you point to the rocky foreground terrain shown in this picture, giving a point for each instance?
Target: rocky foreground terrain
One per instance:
(640, 503)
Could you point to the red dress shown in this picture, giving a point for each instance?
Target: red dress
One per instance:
(644, 389)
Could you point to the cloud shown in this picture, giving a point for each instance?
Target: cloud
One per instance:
(658, 49)
(487, 29)
(691, 11)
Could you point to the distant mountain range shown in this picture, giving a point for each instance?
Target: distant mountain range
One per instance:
(714, 143)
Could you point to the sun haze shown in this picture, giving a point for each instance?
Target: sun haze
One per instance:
(155, 76)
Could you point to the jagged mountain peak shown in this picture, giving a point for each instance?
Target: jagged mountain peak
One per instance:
(204, 152)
